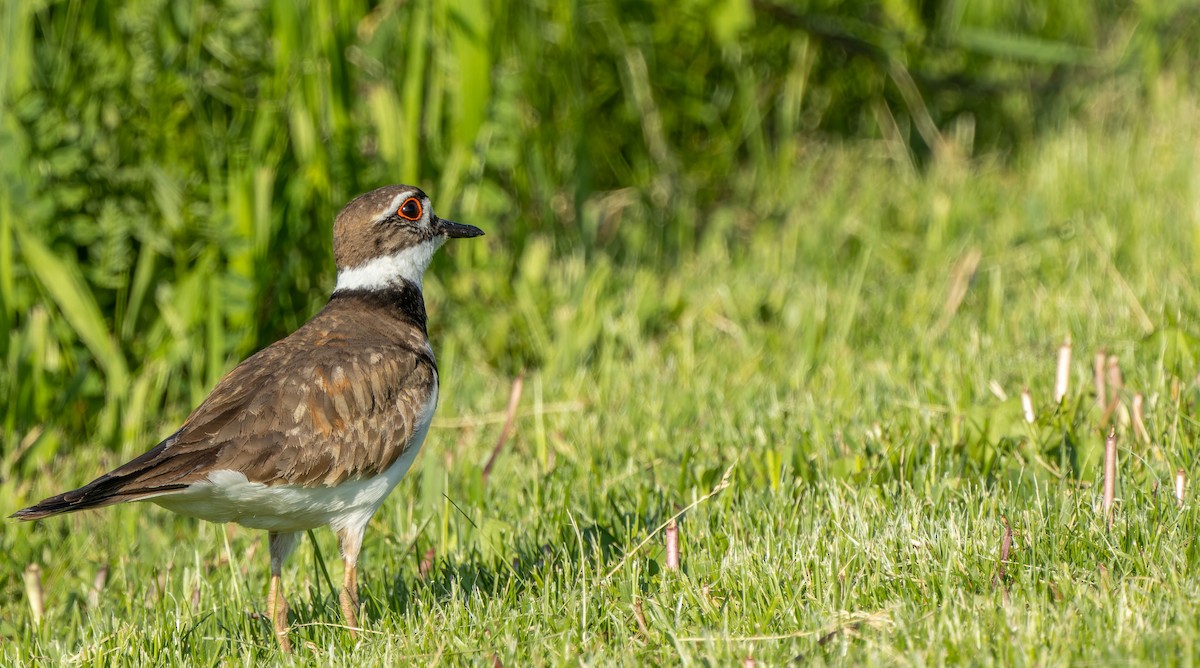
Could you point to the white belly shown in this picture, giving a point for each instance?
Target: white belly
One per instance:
(227, 496)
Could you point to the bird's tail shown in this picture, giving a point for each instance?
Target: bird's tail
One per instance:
(67, 502)
(113, 487)
(96, 494)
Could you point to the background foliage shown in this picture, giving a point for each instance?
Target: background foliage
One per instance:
(173, 166)
(827, 241)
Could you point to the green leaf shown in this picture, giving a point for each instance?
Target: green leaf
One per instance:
(61, 278)
(729, 19)
(1022, 47)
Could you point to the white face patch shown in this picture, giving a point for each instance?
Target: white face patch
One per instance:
(409, 265)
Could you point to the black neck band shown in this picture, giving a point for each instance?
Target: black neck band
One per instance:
(402, 297)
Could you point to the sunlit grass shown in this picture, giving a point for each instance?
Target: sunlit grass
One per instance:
(876, 441)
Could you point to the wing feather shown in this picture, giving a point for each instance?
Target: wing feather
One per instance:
(329, 403)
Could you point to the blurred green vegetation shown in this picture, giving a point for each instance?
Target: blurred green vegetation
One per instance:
(171, 168)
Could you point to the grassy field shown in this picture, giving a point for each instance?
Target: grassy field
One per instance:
(813, 359)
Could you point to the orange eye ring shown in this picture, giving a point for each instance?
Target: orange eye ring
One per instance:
(411, 209)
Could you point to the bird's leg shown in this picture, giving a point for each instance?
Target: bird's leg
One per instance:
(350, 542)
(281, 545)
(278, 613)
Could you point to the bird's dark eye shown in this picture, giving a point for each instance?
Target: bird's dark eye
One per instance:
(410, 210)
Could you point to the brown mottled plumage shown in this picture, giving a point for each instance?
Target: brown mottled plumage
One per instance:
(317, 428)
(335, 400)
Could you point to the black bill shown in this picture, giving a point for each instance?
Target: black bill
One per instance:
(457, 230)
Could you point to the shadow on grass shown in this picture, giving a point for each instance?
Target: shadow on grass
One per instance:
(588, 553)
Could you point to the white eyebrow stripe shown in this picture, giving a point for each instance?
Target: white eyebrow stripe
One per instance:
(381, 272)
(398, 199)
(426, 207)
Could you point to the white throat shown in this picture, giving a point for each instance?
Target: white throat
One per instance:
(409, 265)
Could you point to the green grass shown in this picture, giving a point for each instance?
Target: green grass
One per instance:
(724, 257)
(807, 344)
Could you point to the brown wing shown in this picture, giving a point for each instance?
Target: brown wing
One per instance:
(337, 399)
(319, 416)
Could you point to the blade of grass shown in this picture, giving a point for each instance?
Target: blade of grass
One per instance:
(62, 281)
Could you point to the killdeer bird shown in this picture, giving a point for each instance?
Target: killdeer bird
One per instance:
(316, 429)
